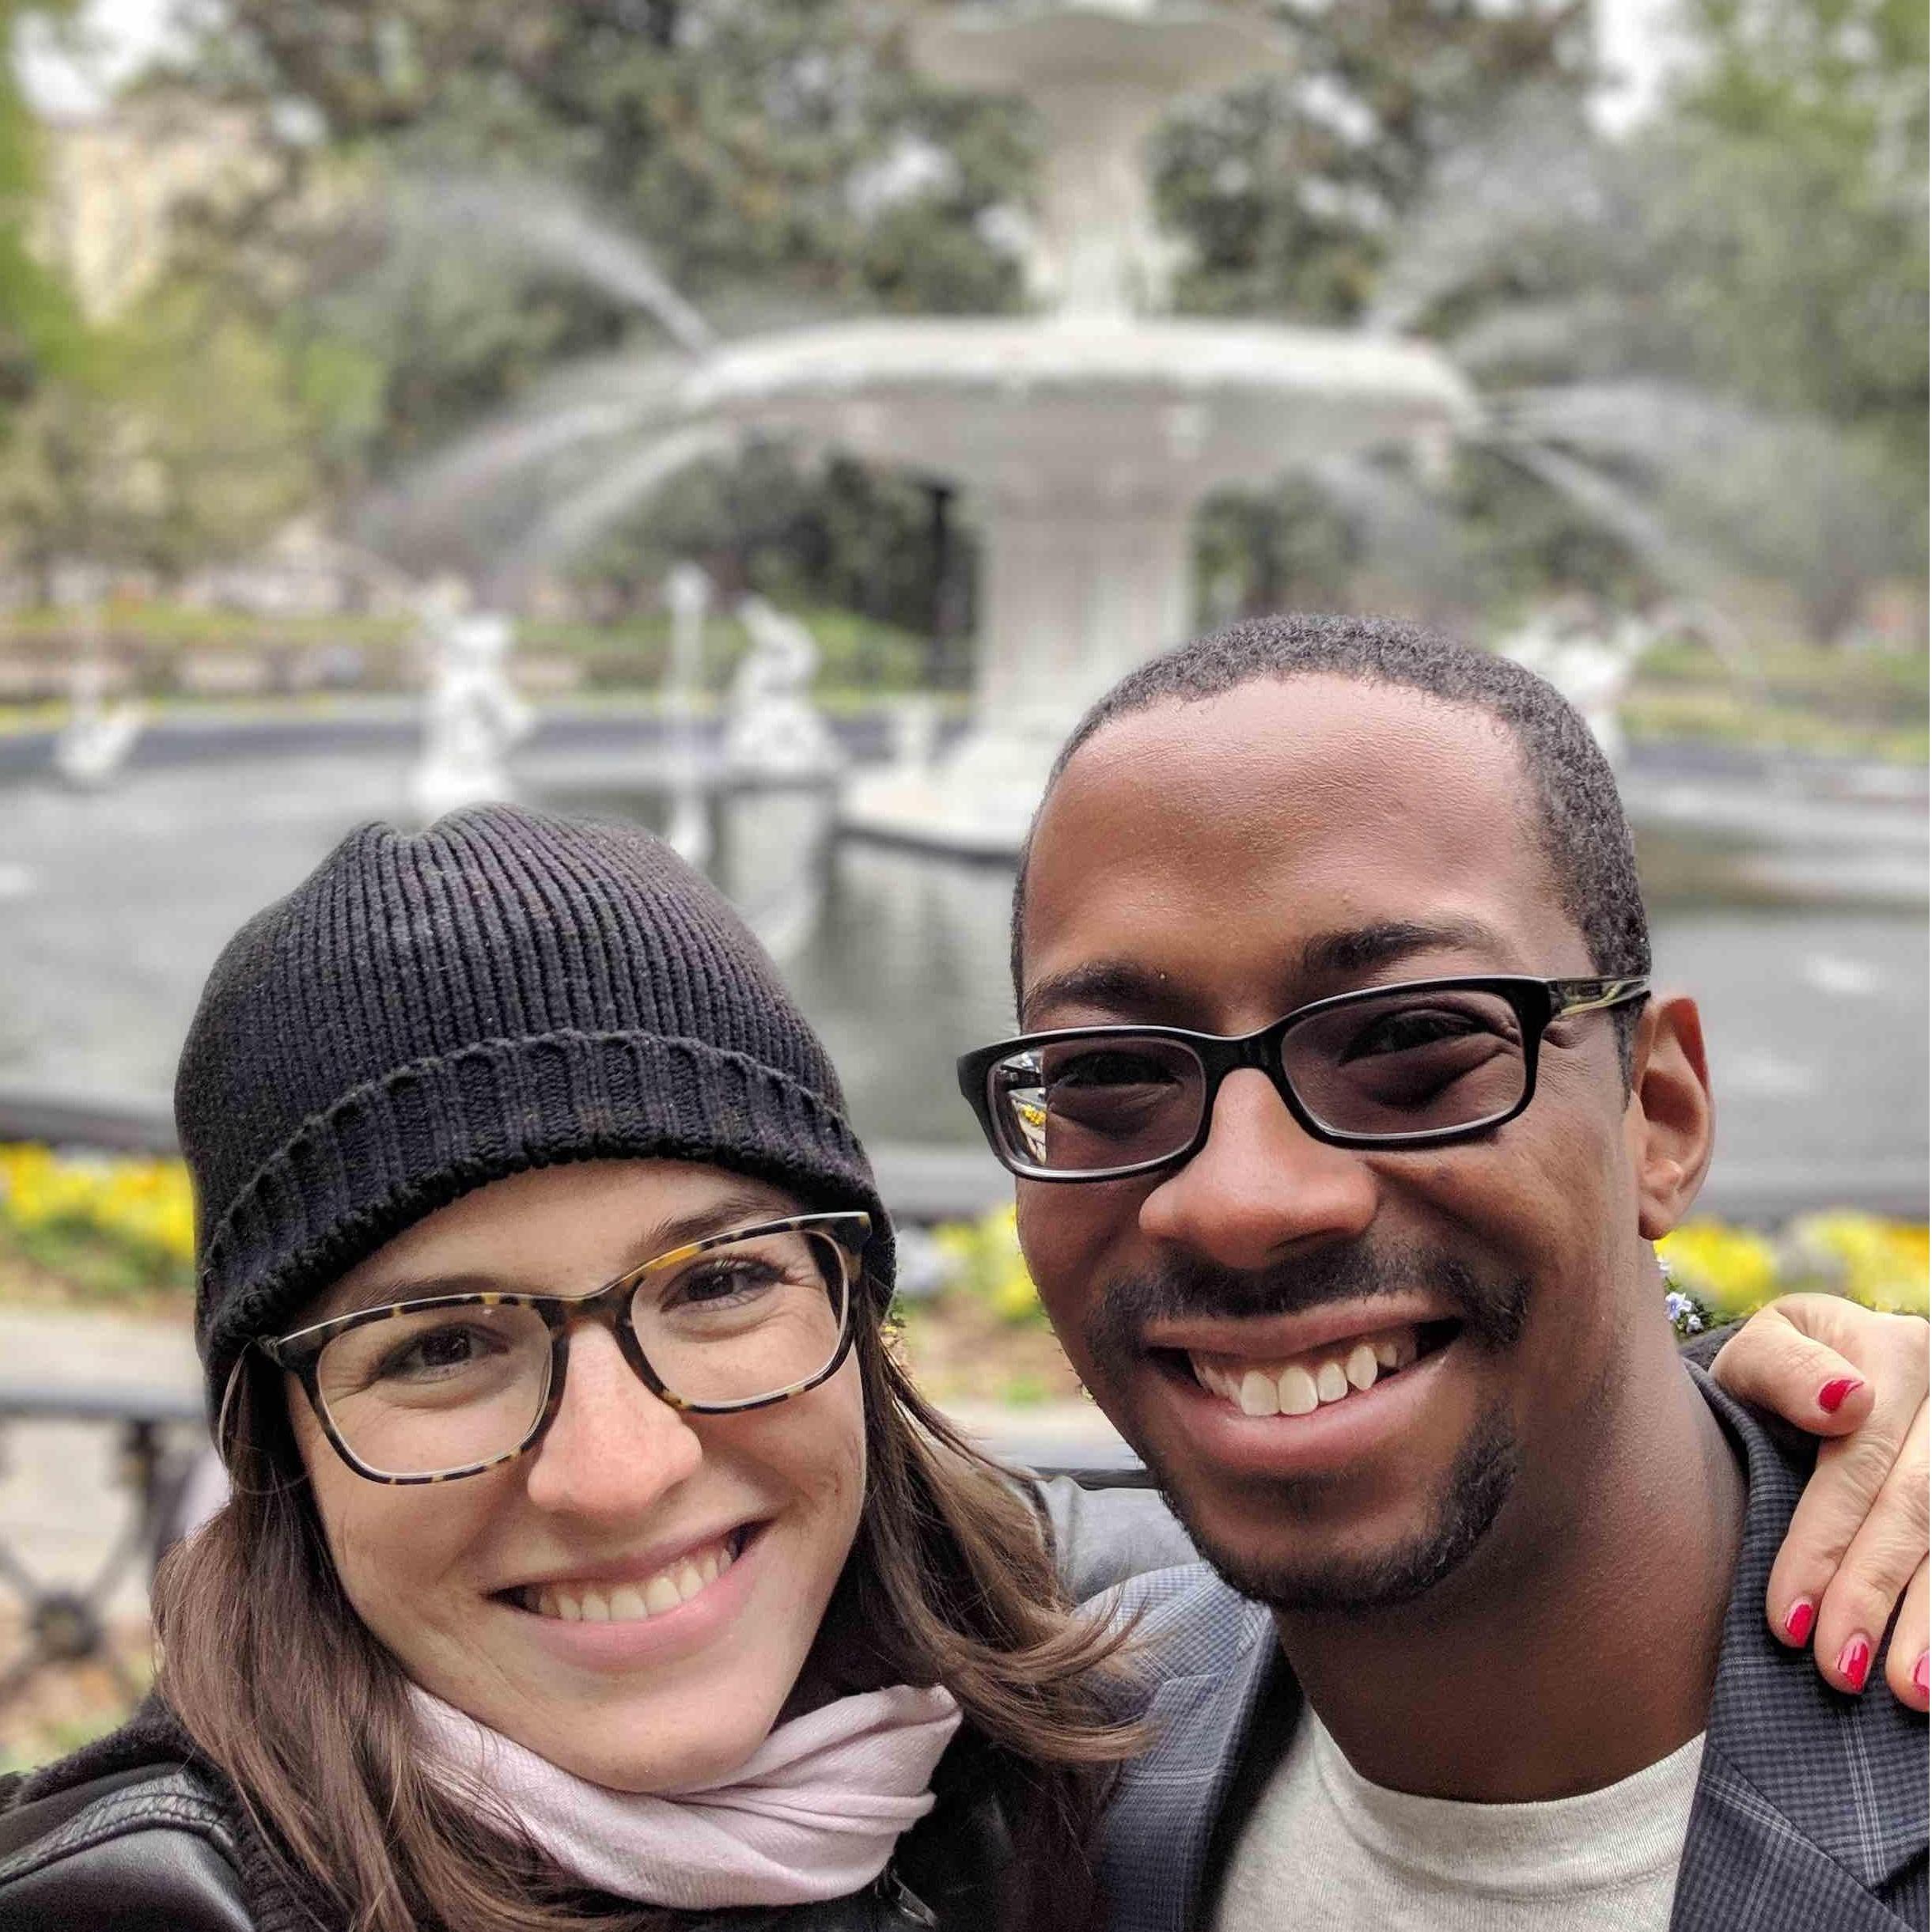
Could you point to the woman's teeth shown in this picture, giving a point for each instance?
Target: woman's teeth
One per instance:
(628, 1603)
(1311, 1381)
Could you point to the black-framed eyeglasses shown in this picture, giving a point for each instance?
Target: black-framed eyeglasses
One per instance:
(1417, 1065)
(450, 1385)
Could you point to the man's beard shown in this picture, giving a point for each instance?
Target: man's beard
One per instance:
(1472, 1492)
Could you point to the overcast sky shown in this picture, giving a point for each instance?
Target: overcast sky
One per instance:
(119, 35)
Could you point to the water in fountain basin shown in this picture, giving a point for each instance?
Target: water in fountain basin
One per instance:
(123, 900)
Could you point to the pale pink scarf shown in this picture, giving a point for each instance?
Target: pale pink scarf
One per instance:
(813, 1814)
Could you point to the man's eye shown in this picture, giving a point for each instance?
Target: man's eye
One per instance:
(1111, 1069)
(1413, 1029)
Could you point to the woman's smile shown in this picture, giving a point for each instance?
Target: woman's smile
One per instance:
(696, 1605)
(632, 1590)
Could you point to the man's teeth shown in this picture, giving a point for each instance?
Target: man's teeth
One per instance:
(630, 1603)
(1310, 1382)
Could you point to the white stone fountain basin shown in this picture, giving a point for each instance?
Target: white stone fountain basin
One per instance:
(1175, 407)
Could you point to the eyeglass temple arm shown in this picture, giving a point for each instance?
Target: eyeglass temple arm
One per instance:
(1575, 996)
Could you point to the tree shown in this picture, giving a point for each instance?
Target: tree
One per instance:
(1711, 333)
(40, 329)
(180, 441)
(1291, 191)
(1797, 152)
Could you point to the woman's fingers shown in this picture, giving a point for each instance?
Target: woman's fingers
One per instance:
(1906, 1661)
(1788, 1360)
(1885, 1554)
(1857, 1538)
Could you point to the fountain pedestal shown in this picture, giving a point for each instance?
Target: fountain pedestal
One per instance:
(1075, 591)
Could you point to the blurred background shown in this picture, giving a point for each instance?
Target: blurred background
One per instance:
(773, 420)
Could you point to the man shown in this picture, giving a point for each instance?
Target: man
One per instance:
(1345, 1121)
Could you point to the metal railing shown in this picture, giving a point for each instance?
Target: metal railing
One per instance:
(158, 1435)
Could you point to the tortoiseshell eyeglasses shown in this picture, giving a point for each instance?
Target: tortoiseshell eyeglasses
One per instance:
(431, 1390)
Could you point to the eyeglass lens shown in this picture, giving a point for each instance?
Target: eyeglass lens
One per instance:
(1428, 1060)
(432, 1389)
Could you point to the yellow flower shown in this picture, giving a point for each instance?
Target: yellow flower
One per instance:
(1732, 1269)
(1881, 1263)
(143, 1204)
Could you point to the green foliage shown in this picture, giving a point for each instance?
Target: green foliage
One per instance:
(1759, 244)
(41, 327)
(177, 439)
(1762, 237)
(753, 150)
(1798, 152)
(1289, 191)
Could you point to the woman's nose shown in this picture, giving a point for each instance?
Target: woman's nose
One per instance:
(1261, 1186)
(613, 1447)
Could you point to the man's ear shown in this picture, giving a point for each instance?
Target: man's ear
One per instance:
(1669, 1120)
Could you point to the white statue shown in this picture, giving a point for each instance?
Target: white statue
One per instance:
(687, 590)
(472, 714)
(1590, 663)
(95, 742)
(773, 731)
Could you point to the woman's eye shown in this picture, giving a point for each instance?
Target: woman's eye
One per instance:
(439, 1351)
(723, 1284)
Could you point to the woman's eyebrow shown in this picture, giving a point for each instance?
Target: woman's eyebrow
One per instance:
(729, 1211)
(410, 1288)
(716, 1217)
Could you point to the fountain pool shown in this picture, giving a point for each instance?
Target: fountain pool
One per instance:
(112, 907)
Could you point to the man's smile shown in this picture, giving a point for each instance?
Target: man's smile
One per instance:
(1252, 1409)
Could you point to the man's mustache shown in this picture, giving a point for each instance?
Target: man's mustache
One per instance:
(1492, 1309)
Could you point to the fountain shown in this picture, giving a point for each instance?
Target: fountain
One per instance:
(774, 734)
(95, 741)
(1081, 439)
(471, 714)
(1084, 438)
(1591, 661)
(687, 591)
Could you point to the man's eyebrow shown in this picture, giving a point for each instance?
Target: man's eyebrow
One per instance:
(1113, 985)
(1122, 987)
(1360, 948)
(738, 1208)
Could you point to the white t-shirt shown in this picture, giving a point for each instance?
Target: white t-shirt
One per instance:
(1325, 1850)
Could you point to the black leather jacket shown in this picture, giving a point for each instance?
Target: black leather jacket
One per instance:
(164, 1847)
(129, 1836)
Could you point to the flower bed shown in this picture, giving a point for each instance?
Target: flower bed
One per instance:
(114, 1230)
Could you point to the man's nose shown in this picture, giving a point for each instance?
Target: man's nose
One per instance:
(1261, 1186)
(613, 1447)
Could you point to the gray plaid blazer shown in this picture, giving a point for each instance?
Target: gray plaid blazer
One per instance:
(1809, 1814)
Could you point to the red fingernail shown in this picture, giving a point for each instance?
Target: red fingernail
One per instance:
(1831, 1397)
(1797, 1625)
(1854, 1661)
(1918, 1676)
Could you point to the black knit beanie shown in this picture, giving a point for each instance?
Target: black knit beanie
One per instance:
(425, 1013)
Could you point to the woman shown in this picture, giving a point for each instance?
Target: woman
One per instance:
(489, 1126)
(475, 1597)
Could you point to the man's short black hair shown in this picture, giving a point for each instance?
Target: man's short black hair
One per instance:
(1584, 832)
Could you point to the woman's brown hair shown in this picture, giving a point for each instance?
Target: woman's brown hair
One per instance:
(950, 1580)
